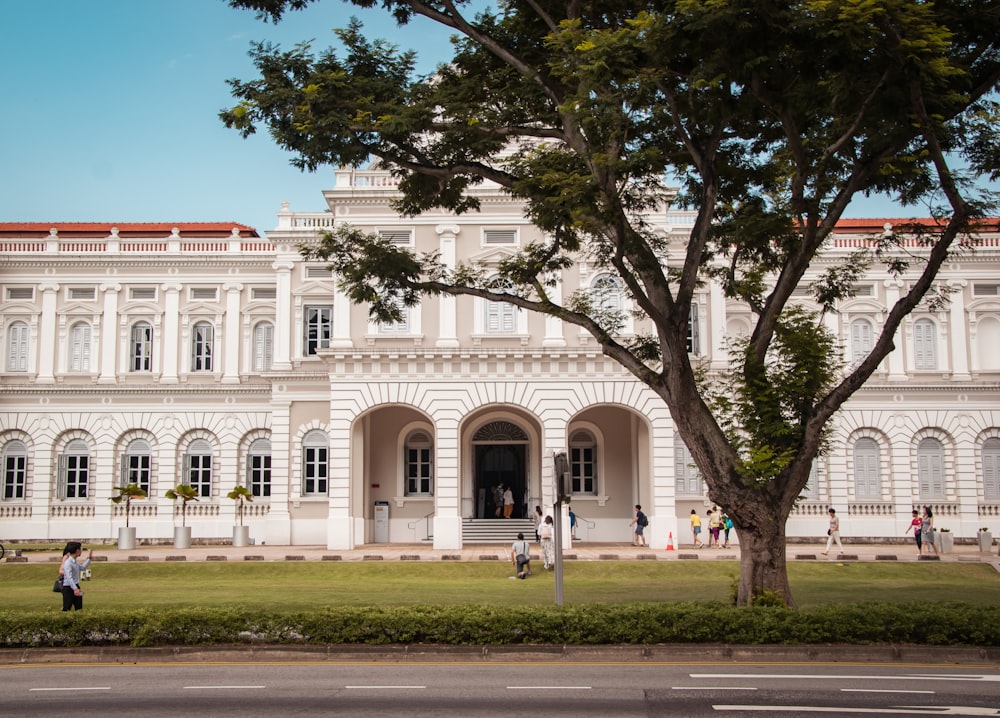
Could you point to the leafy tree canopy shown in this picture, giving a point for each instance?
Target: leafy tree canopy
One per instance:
(769, 116)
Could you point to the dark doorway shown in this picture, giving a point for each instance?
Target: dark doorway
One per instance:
(500, 464)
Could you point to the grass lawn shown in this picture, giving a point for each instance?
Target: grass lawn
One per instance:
(302, 586)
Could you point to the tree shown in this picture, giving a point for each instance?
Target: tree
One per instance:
(127, 494)
(240, 494)
(184, 492)
(770, 117)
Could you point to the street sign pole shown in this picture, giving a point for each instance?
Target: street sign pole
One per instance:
(560, 476)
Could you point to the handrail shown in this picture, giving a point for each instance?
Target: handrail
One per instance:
(429, 533)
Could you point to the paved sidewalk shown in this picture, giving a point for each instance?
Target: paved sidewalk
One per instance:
(579, 551)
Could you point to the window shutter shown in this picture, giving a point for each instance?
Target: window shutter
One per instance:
(991, 469)
(924, 340)
(61, 477)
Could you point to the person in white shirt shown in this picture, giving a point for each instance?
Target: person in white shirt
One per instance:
(72, 593)
(520, 556)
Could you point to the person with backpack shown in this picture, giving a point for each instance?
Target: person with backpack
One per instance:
(520, 556)
(640, 522)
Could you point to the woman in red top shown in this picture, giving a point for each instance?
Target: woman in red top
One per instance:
(915, 524)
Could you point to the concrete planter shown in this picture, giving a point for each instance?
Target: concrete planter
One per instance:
(126, 538)
(944, 541)
(985, 541)
(241, 535)
(182, 537)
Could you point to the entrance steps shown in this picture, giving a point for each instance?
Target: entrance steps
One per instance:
(496, 530)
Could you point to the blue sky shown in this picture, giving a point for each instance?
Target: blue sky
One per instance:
(109, 110)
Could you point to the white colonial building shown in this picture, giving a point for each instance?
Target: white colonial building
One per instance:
(207, 355)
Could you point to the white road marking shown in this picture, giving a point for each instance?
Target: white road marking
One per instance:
(549, 688)
(220, 688)
(880, 690)
(379, 688)
(844, 677)
(896, 710)
(714, 688)
(88, 688)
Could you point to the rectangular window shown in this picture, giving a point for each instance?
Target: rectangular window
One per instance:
(693, 335)
(500, 236)
(77, 475)
(201, 347)
(263, 346)
(259, 480)
(924, 345)
(582, 470)
(14, 476)
(204, 293)
(142, 293)
(399, 237)
(200, 474)
(314, 471)
(17, 347)
(142, 348)
(418, 471)
(137, 469)
(79, 350)
(317, 329)
(85, 294)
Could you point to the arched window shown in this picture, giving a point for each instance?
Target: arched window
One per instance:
(79, 347)
(141, 347)
(74, 470)
(583, 463)
(137, 465)
(202, 346)
(17, 347)
(867, 482)
(419, 464)
(263, 346)
(315, 463)
(687, 478)
(198, 462)
(500, 317)
(930, 468)
(991, 469)
(259, 468)
(607, 295)
(924, 344)
(15, 470)
(862, 339)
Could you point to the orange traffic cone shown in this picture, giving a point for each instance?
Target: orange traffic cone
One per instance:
(670, 542)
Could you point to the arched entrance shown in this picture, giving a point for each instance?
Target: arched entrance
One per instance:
(501, 457)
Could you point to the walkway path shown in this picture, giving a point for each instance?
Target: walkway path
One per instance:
(496, 552)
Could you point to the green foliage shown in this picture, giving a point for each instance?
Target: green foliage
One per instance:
(240, 494)
(582, 110)
(185, 493)
(127, 494)
(940, 624)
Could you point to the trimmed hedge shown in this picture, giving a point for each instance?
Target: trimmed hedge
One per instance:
(594, 624)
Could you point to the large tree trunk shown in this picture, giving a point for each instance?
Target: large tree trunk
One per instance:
(763, 564)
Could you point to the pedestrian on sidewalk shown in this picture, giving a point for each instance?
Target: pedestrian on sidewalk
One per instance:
(71, 568)
(833, 533)
(640, 522)
(546, 531)
(915, 524)
(927, 530)
(696, 528)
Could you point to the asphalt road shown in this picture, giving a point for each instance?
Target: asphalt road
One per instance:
(462, 688)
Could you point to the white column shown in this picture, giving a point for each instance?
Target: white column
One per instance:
(109, 333)
(448, 318)
(447, 483)
(281, 361)
(717, 327)
(957, 331)
(231, 333)
(170, 335)
(277, 525)
(341, 334)
(897, 371)
(553, 325)
(47, 335)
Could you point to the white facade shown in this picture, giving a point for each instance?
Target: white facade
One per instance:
(211, 356)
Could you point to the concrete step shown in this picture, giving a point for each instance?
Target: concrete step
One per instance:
(496, 530)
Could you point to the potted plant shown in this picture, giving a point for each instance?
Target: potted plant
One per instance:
(985, 540)
(241, 533)
(128, 493)
(186, 493)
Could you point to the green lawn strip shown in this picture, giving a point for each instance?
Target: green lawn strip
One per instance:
(302, 586)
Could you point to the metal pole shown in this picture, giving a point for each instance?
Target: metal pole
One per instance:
(560, 471)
